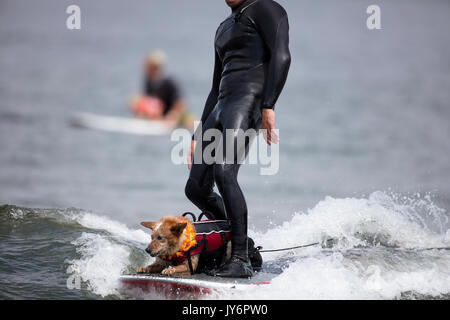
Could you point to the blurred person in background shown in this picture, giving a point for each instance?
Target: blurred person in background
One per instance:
(162, 99)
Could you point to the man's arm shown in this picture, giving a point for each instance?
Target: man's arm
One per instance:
(213, 94)
(272, 22)
(210, 103)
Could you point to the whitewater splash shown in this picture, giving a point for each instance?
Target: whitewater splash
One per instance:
(382, 249)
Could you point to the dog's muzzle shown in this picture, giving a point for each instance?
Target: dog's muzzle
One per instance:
(150, 253)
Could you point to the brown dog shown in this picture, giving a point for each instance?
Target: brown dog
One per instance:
(171, 237)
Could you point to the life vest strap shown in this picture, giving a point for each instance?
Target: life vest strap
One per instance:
(188, 253)
(224, 241)
(191, 269)
(206, 242)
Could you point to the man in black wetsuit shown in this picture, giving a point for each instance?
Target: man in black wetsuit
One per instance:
(252, 60)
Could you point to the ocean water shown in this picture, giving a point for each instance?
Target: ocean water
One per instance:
(382, 249)
(364, 151)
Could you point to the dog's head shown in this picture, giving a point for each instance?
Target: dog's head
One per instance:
(167, 236)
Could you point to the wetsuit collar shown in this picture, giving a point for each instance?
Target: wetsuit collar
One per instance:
(242, 5)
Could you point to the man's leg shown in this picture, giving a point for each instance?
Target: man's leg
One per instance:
(243, 114)
(200, 185)
(199, 189)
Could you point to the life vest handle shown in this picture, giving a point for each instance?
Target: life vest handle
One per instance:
(194, 218)
(202, 215)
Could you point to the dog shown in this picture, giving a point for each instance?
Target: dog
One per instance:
(172, 239)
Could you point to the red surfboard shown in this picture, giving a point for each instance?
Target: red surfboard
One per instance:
(187, 286)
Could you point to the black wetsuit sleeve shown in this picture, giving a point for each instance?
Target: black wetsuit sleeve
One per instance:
(214, 93)
(274, 28)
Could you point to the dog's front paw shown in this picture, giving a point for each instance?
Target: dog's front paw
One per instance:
(141, 270)
(168, 271)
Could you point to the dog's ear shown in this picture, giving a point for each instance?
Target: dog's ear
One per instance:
(150, 225)
(178, 228)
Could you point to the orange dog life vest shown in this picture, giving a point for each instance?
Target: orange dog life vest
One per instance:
(210, 241)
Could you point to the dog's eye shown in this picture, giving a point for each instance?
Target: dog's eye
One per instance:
(159, 238)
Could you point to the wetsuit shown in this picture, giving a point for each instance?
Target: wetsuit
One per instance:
(251, 65)
(165, 89)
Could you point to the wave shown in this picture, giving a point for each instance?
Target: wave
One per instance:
(381, 249)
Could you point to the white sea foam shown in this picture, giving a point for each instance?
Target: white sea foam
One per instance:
(353, 221)
(328, 277)
(104, 257)
(375, 273)
(372, 275)
(115, 228)
(101, 263)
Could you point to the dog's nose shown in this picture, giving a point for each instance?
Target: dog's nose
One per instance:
(148, 250)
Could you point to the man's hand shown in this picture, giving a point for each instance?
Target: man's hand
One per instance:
(191, 154)
(268, 126)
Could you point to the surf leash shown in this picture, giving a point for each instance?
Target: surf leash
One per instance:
(259, 248)
(423, 249)
(326, 242)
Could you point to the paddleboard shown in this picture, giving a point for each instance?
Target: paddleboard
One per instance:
(121, 124)
(188, 285)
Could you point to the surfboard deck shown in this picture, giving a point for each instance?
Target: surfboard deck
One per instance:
(188, 285)
(120, 124)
